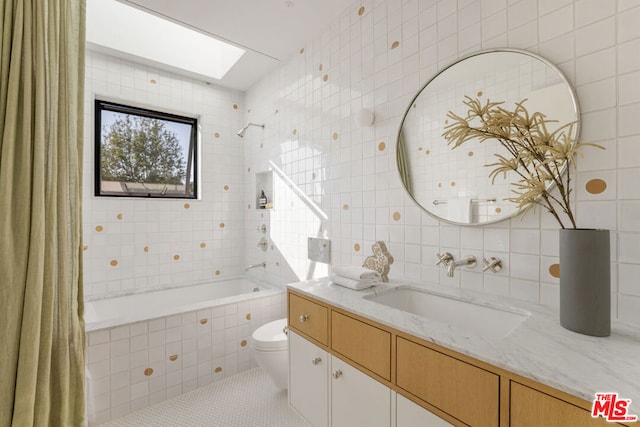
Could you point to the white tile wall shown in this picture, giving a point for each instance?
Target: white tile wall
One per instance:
(160, 243)
(349, 171)
(183, 351)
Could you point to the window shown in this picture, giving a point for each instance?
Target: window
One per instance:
(144, 153)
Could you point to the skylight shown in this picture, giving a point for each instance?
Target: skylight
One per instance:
(126, 29)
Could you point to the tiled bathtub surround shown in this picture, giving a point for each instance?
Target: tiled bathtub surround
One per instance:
(340, 178)
(132, 245)
(136, 365)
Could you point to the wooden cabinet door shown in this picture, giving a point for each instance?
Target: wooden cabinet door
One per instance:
(357, 399)
(532, 408)
(460, 389)
(409, 414)
(309, 318)
(308, 380)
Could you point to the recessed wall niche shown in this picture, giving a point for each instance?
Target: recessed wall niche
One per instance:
(264, 182)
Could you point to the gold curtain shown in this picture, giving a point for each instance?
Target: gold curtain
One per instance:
(41, 125)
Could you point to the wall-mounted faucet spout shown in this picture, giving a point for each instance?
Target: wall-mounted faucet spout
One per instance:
(250, 266)
(469, 261)
(244, 129)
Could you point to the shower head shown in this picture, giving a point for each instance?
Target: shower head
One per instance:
(244, 129)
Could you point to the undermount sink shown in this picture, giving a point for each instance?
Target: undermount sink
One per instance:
(471, 317)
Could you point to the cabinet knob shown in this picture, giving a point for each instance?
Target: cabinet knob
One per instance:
(336, 374)
(315, 361)
(303, 318)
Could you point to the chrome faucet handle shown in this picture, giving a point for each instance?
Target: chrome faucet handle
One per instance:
(262, 244)
(494, 264)
(262, 228)
(445, 258)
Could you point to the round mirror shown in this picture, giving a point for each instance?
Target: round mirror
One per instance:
(454, 184)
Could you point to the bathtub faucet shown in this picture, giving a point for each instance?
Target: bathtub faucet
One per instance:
(250, 266)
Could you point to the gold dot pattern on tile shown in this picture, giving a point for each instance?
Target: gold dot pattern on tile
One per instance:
(313, 176)
(119, 216)
(261, 215)
(249, 206)
(272, 247)
(243, 343)
(294, 131)
(498, 210)
(187, 205)
(248, 316)
(395, 44)
(596, 186)
(216, 135)
(345, 207)
(320, 67)
(419, 148)
(439, 185)
(302, 50)
(335, 136)
(277, 263)
(261, 145)
(99, 228)
(235, 106)
(479, 93)
(85, 247)
(453, 183)
(148, 372)
(146, 249)
(325, 77)
(218, 370)
(226, 188)
(361, 11)
(217, 272)
(204, 321)
(152, 81)
(173, 357)
(176, 257)
(396, 216)
(382, 146)
(249, 170)
(356, 247)
(554, 270)
(203, 245)
(114, 262)
(427, 152)
(222, 225)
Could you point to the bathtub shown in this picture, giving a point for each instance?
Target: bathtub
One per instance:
(145, 348)
(109, 312)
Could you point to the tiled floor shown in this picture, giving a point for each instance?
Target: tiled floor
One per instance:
(248, 399)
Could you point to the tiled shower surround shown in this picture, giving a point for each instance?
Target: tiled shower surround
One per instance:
(133, 366)
(377, 55)
(133, 245)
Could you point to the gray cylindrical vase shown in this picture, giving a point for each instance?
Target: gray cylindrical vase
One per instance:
(585, 281)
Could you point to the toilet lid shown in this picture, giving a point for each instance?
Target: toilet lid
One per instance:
(270, 336)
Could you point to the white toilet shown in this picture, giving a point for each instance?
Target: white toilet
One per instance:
(270, 348)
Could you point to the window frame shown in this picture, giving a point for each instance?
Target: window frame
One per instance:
(101, 105)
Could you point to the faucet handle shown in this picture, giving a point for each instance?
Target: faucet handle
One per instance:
(494, 264)
(445, 258)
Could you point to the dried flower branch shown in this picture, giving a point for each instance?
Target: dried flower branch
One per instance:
(536, 155)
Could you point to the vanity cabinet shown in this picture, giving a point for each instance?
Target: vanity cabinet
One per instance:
(347, 370)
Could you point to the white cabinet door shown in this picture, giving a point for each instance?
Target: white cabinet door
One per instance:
(408, 414)
(308, 380)
(357, 399)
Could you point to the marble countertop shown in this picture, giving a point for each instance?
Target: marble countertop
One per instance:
(539, 349)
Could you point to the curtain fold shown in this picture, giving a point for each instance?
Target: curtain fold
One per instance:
(41, 127)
